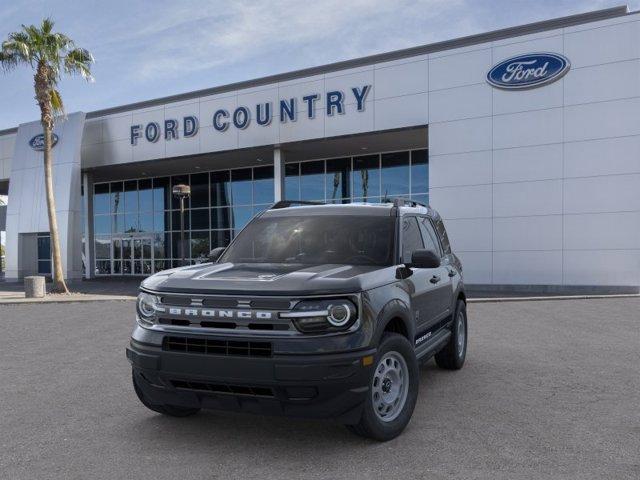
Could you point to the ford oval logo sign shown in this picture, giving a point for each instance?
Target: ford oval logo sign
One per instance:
(528, 71)
(37, 142)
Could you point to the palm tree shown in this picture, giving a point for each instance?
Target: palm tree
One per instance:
(49, 54)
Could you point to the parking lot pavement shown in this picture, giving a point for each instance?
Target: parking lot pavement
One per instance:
(550, 390)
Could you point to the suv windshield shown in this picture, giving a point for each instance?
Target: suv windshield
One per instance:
(315, 240)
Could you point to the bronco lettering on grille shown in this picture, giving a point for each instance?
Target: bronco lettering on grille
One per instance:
(214, 313)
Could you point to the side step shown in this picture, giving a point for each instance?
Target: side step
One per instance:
(430, 348)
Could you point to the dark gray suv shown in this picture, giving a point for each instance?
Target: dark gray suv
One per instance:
(320, 311)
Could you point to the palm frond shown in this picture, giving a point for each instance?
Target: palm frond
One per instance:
(78, 61)
(56, 102)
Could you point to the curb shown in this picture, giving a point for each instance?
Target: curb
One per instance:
(550, 298)
(31, 301)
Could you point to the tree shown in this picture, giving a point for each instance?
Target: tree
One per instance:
(49, 54)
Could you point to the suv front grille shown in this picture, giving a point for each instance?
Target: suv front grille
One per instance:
(223, 388)
(208, 346)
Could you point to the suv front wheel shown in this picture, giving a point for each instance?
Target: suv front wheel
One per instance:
(393, 390)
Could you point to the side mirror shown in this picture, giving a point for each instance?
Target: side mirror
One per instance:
(214, 254)
(424, 259)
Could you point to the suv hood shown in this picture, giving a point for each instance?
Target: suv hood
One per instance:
(270, 279)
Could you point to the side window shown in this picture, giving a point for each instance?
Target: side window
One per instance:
(429, 236)
(442, 234)
(411, 238)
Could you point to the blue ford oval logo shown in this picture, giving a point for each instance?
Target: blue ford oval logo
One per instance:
(37, 142)
(528, 71)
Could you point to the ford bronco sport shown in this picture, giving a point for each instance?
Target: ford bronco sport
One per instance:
(320, 311)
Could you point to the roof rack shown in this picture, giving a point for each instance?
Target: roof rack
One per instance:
(291, 203)
(404, 202)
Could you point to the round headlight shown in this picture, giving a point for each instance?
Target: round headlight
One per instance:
(339, 315)
(146, 305)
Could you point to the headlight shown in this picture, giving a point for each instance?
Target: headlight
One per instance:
(146, 308)
(317, 316)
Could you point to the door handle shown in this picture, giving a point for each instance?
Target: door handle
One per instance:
(435, 279)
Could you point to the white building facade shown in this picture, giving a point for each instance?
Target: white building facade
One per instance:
(526, 140)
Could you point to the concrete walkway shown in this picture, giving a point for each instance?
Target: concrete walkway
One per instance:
(81, 291)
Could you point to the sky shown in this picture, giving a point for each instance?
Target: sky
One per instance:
(149, 49)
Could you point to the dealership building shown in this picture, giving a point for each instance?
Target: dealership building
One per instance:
(526, 140)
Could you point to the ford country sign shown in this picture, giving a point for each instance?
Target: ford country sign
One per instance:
(37, 142)
(528, 71)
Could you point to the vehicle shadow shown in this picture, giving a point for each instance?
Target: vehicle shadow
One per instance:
(209, 431)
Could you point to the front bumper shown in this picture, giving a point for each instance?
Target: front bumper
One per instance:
(332, 385)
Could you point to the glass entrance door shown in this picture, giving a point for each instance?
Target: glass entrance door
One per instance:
(132, 255)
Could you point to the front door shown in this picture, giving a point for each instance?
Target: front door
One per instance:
(132, 255)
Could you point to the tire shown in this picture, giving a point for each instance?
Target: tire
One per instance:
(169, 410)
(395, 354)
(452, 356)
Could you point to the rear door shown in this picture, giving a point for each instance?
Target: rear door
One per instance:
(421, 288)
(441, 281)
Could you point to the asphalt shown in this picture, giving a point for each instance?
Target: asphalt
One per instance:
(550, 390)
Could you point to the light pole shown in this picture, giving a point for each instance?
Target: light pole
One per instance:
(181, 192)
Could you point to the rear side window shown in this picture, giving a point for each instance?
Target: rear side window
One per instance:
(442, 234)
(411, 238)
(429, 236)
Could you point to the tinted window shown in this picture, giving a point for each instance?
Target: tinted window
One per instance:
(429, 236)
(338, 180)
(292, 181)
(315, 240)
(366, 178)
(312, 180)
(411, 238)
(395, 173)
(442, 234)
(263, 185)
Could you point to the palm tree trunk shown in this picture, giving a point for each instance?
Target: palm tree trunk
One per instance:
(59, 285)
(43, 97)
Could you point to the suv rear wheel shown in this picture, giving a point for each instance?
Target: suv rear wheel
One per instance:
(393, 390)
(452, 356)
(170, 410)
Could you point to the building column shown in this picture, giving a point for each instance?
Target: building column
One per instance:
(87, 205)
(278, 174)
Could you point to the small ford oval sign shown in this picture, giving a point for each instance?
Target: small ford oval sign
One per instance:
(528, 71)
(37, 142)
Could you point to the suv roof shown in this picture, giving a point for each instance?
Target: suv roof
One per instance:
(392, 207)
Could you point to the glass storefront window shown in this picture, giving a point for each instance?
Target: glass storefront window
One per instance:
(220, 218)
(419, 172)
(240, 216)
(395, 174)
(241, 190)
(338, 180)
(200, 247)
(101, 199)
(292, 181)
(263, 185)
(200, 219)
(145, 195)
(220, 189)
(143, 212)
(312, 180)
(220, 238)
(179, 180)
(366, 177)
(161, 194)
(117, 197)
(200, 190)
(101, 224)
(131, 196)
